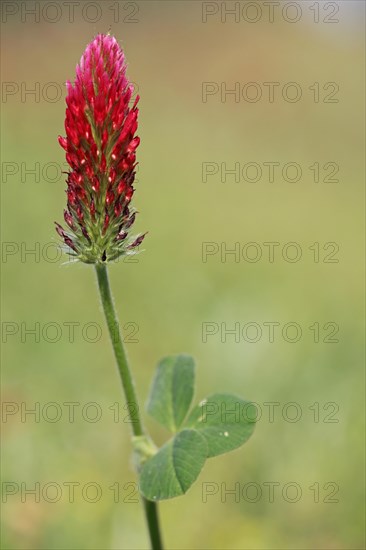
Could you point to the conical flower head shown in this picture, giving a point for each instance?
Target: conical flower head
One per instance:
(100, 147)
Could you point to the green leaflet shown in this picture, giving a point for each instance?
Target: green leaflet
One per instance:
(225, 421)
(172, 391)
(174, 468)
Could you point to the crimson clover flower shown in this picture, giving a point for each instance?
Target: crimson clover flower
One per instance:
(100, 147)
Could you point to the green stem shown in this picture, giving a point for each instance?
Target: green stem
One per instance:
(150, 508)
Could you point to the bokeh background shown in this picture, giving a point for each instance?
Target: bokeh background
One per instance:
(169, 292)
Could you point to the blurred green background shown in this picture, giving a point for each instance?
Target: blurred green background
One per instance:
(169, 292)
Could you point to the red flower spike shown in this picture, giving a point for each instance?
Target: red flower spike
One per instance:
(100, 147)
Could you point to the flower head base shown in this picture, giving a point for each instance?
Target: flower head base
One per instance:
(100, 147)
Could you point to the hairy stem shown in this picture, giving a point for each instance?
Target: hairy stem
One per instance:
(150, 508)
